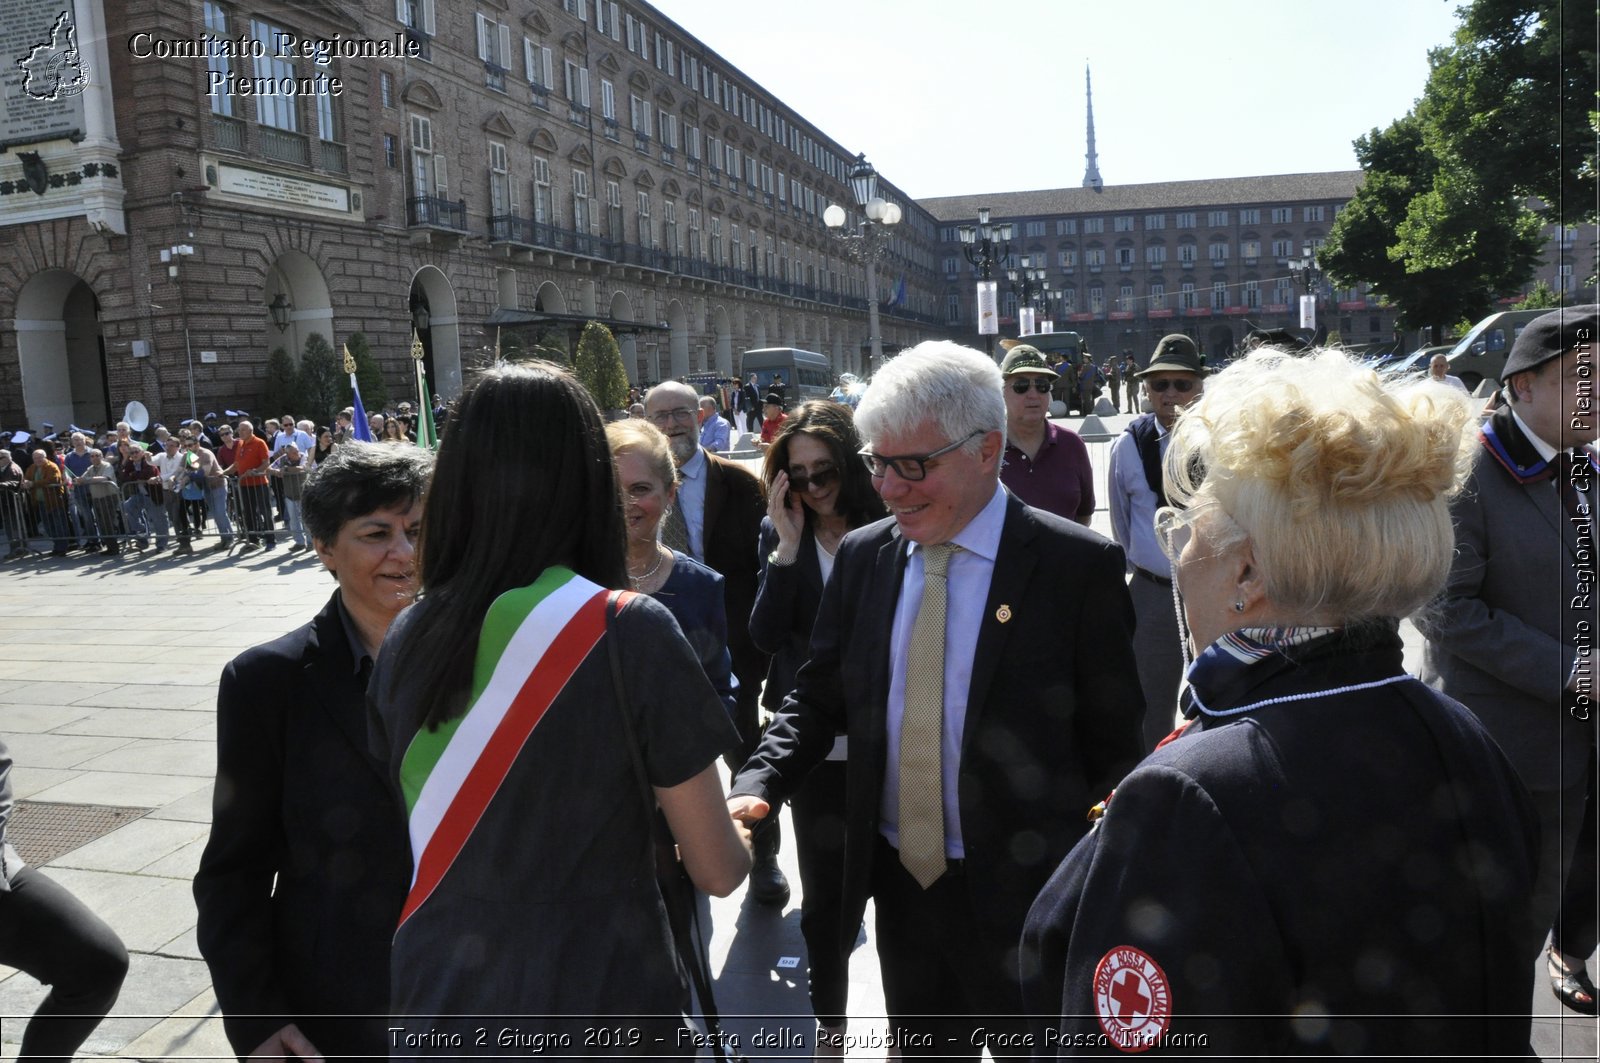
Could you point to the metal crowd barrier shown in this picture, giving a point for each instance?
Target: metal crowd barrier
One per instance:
(59, 518)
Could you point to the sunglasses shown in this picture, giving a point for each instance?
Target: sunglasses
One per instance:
(1021, 386)
(819, 480)
(1183, 387)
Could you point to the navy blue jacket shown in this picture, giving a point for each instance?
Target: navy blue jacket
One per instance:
(1365, 858)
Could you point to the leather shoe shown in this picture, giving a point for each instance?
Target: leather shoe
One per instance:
(767, 882)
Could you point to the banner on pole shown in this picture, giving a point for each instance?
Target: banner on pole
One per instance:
(1025, 321)
(1308, 311)
(988, 308)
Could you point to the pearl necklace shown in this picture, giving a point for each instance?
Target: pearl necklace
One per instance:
(640, 581)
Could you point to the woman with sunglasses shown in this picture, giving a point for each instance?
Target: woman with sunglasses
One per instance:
(1046, 466)
(817, 491)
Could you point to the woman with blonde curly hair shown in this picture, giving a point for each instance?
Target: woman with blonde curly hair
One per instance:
(1329, 857)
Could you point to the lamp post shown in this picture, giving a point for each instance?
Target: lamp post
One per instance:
(984, 245)
(869, 243)
(1305, 270)
(1029, 283)
(172, 256)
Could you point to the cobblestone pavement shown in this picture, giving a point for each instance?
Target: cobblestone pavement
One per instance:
(107, 698)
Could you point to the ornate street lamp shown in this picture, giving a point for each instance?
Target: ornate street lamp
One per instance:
(1306, 271)
(984, 245)
(870, 242)
(279, 309)
(1029, 284)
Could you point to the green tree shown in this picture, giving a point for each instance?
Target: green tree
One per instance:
(1436, 257)
(1502, 141)
(1511, 102)
(374, 392)
(1542, 297)
(598, 367)
(282, 393)
(318, 382)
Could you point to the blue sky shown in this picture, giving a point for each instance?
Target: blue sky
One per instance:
(950, 97)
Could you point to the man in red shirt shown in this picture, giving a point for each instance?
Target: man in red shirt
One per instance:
(250, 463)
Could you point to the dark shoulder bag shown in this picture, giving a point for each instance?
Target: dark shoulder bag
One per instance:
(677, 891)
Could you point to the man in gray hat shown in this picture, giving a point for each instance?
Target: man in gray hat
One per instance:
(1173, 379)
(1513, 635)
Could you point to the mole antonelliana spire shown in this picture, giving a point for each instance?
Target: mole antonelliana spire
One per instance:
(1091, 175)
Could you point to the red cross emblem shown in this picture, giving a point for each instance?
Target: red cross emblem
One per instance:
(1132, 998)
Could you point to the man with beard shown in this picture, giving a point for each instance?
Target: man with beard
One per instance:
(717, 520)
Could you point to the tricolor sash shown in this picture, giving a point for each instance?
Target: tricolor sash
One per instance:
(533, 640)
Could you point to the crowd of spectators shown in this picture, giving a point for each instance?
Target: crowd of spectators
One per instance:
(233, 480)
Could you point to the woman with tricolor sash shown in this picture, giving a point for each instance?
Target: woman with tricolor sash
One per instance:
(533, 913)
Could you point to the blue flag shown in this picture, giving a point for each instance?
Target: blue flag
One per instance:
(362, 430)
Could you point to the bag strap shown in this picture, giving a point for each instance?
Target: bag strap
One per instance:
(685, 934)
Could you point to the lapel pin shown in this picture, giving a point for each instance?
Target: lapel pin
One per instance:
(1003, 614)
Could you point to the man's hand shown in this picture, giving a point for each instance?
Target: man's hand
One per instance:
(747, 810)
(287, 1043)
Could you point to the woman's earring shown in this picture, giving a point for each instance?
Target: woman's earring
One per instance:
(1238, 606)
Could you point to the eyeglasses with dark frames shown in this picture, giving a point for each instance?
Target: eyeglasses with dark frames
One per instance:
(911, 466)
(1042, 386)
(1182, 387)
(682, 414)
(820, 479)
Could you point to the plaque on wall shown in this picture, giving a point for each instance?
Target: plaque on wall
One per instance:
(42, 73)
(294, 191)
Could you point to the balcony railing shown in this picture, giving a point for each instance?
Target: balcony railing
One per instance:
(523, 232)
(511, 229)
(669, 156)
(227, 133)
(540, 95)
(494, 75)
(692, 166)
(334, 156)
(437, 212)
(284, 146)
(578, 115)
(612, 130)
(641, 142)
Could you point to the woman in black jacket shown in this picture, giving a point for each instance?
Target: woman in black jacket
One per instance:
(817, 491)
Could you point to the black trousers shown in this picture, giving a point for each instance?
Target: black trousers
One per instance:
(818, 815)
(950, 988)
(46, 932)
(1577, 929)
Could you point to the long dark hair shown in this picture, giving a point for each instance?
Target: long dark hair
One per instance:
(524, 481)
(835, 427)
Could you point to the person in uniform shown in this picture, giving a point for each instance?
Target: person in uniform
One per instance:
(1332, 857)
(1512, 637)
(977, 654)
(1173, 379)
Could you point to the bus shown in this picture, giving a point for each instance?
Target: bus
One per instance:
(806, 374)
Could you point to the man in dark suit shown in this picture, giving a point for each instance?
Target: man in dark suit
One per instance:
(1512, 638)
(978, 655)
(717, 520)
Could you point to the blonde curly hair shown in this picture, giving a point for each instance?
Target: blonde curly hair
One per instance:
(1340, 477)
